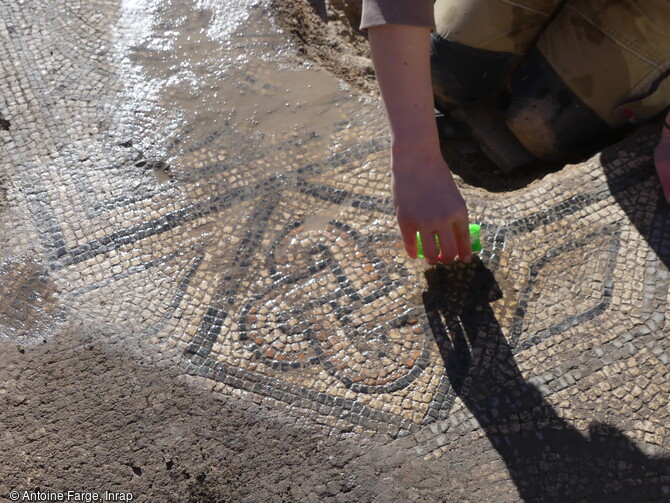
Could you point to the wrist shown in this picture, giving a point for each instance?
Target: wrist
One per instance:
(417, 165)
(416, 161)
(415, 150)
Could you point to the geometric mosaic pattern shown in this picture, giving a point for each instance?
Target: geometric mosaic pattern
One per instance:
(266, 257)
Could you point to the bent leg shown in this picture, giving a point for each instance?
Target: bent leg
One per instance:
(477, 42)
(594, 70)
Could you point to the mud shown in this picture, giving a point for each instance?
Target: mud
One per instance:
(328, 33)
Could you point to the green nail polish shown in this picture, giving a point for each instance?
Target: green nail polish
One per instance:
(475, 243)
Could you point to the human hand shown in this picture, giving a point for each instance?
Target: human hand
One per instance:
(662, 159)
(427, 200)
(424, 193)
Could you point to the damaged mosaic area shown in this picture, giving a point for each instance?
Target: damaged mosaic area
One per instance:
(246, 232)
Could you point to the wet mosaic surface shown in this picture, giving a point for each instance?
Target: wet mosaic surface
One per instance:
(171, 168)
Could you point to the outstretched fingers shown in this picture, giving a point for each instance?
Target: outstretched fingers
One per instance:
(461, 230)
(440, 243)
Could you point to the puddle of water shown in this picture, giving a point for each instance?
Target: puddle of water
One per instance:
(228, 16)
(213, 65)
(241, 114)
(28, 308)
(302, 100)
(319, 221)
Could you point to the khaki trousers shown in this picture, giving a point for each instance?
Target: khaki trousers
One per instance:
(554, 58)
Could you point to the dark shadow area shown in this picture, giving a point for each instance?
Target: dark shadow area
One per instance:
(548, 460)
(480, 149)
(3, 194)
(631, 176)
(467, 160)
(4, 123)
(320, 8)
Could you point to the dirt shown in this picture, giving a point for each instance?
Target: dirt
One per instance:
(105, 420)
(327, 33)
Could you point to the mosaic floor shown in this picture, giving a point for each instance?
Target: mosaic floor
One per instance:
(173, 169)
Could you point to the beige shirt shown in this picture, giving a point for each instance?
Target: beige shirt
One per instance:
(409, 12)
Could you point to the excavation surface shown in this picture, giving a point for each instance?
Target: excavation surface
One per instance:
(204, 296)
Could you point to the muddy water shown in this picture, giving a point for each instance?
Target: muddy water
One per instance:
(254, 139)
(228, 105)
(224, 78)
(27, 308)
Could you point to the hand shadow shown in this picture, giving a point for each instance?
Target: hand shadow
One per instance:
(548, 460)
(632, 181)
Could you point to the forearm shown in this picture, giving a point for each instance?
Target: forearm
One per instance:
(425, 195)
(401, 56)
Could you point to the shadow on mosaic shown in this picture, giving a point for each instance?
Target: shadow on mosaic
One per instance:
(547, 458)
